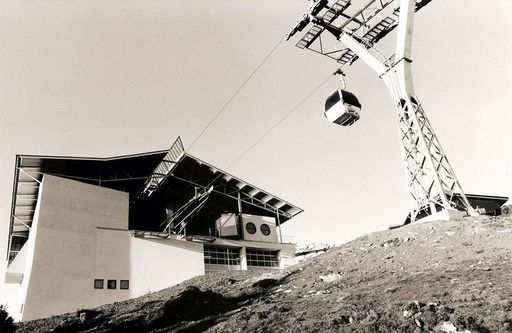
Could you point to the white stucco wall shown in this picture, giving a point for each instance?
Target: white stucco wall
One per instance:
(80, 234)
(158, 264)
(112, 263)
(29, 246)
(148, 264)
(62, 245)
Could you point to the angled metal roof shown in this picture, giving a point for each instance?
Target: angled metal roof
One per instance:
(222, 182)
(141, 175)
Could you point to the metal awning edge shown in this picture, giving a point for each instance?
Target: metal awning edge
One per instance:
(13, 204)
(299, 210)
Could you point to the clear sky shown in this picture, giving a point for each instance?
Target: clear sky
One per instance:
(107, 78)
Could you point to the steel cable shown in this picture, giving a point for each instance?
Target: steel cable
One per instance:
(289, 113)
(235, 94)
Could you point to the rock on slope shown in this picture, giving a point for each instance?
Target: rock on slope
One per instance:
(433, 277)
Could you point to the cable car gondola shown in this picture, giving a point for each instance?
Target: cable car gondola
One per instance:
(342, 107)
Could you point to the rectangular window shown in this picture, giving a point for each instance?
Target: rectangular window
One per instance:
(214, 255)
(262, 258)
(124, 284)
(111, 284)
(98, 284)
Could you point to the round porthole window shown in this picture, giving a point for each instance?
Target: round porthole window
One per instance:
(265, 229)
(250, 228)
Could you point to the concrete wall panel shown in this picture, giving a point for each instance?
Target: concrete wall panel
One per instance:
(112, 263)
(258, 221)
(61, 275)
(159, 264)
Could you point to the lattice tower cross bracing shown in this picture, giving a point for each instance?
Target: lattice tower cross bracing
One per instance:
(430, 178)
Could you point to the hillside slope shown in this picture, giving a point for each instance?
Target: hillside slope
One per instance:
(434, 277)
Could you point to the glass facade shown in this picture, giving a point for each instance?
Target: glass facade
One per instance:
(221, 258)
(262, 258)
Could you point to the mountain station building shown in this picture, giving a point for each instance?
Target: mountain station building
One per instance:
(91, 231)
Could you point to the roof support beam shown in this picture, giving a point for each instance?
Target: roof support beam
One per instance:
(20, 221)
(253, 201)
(30, 176)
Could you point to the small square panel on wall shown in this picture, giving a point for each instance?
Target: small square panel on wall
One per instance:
(124, 284)
(111, 284)
(98, 284)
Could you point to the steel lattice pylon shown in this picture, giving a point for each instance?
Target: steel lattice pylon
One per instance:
(431, 180)
(432, 183)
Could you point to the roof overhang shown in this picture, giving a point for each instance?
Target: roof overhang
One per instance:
(139, 174)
